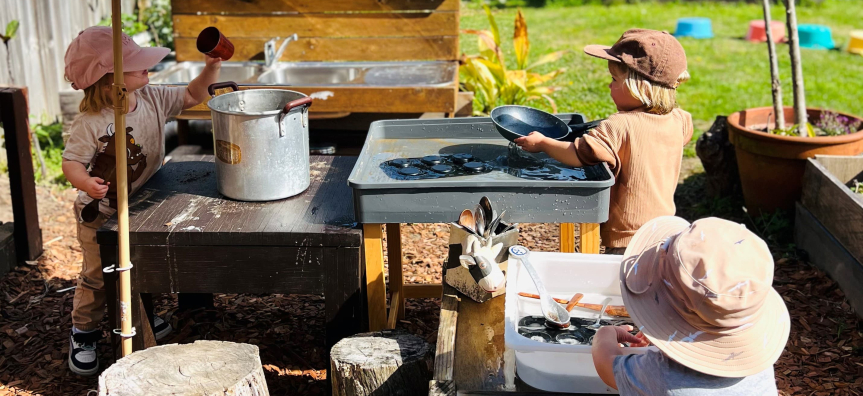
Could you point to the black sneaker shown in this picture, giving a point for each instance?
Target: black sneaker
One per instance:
(83, 359)
(162, 327)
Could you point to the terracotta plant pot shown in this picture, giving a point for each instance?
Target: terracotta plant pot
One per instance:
(771, 167)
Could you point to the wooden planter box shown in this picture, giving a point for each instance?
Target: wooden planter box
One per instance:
(829, 222)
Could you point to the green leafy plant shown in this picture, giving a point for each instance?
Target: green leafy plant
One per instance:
(857, 187)
(11, 31)
(131, 25)
(157, 17)
(792, 131)
(493, 84)
(50, 137)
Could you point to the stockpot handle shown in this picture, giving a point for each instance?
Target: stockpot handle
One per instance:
(228, 84)
(306, 101)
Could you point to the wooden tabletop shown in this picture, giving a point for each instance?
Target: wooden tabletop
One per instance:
(181, 206)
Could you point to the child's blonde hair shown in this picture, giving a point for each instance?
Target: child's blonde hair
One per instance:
(98, 95)
(658, 99)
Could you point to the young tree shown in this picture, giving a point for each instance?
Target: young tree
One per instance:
(11, 30)
(796, 69)
(778, 111)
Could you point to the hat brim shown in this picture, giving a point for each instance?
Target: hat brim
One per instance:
(601, 51)
(746, 351)
(144, 59)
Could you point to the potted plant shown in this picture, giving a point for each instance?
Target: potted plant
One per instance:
(770, 156)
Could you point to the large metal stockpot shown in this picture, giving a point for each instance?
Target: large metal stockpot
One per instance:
(261, 140)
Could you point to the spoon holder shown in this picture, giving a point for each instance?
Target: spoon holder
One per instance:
(460, 277)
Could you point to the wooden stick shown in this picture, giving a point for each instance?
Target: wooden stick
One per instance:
(778, 110)
(612, 310)
(796, 68)
(120, 109)
(573, 301)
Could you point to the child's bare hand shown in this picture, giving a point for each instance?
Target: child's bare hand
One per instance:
(621, 334)
(95, 187)
(531, 143)
(213, 63)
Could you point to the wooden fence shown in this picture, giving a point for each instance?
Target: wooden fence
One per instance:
(36, 54)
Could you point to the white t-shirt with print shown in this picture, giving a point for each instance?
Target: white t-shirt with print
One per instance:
(92, 142)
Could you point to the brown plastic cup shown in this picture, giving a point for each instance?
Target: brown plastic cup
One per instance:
(213, 43)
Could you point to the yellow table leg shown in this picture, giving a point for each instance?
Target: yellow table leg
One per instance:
(567, 237)
(394, 256)
(375, 286)
(589, 238)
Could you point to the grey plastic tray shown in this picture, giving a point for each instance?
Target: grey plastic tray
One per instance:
(381, 199)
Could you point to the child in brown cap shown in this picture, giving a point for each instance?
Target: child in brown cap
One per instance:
(643, 142)
(702, 294)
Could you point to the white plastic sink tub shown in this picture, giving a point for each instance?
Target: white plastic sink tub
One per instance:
(555, 367)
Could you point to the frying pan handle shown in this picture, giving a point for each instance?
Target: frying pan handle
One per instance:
(295, 103)
(228, 84)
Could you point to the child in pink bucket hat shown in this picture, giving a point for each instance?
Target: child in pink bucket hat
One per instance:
(702, 294)
(88, 160)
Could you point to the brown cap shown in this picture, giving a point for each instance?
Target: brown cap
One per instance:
(655, 55)
(702, 293)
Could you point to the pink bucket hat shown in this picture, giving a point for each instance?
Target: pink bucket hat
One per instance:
(703, 294)
(91, 56)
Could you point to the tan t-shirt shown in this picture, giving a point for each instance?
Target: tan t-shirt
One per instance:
(92, 142)
(644, 151)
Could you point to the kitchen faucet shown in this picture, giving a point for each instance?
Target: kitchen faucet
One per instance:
(270, 53)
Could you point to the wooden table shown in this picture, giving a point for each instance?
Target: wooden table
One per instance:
(471, 357)
(374, 261)
(186, 238)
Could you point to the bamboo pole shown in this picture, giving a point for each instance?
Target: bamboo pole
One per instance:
(120, 110)
(796, 68)
(778, 111)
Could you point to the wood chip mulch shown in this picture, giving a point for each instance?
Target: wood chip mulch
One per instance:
(824, 354)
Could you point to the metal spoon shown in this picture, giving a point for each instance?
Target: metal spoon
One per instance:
(596, 325)
(463, 228)
(555, 314)
(494, 224)
(479, 217)
(488, 211)
(466, 219)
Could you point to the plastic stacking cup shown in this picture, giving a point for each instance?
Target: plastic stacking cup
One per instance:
(213, 43)
(855, 44)
(815, 36)
(700, 28)
(757, 33)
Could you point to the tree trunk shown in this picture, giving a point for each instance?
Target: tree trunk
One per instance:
(381, 363)
(778, 112)
(796, 68)
(203, 368)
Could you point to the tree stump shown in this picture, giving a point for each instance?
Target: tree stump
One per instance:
(381, 363)
(203, 368)
(720, 162)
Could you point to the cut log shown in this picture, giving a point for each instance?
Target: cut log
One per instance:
(720, 162)
(202, 368)
(389, 362)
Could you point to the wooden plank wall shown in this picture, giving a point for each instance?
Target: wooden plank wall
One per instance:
(328, 30)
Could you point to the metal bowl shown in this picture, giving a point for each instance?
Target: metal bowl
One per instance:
(513, 122)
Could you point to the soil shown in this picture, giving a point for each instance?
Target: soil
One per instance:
(824, 355)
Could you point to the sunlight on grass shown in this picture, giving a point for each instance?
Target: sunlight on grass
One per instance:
(728, 73)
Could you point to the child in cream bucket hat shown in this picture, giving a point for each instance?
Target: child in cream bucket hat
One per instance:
(702, 294)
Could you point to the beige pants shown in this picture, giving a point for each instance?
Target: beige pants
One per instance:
(88, 307)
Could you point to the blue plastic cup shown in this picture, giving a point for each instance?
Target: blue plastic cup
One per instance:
(700, 28)
(815, 36)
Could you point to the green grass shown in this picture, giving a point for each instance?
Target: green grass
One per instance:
(728, 73)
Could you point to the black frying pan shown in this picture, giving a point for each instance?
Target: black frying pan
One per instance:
(513, 122)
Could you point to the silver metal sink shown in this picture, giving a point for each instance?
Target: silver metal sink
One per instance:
(388, 74)
(318, 74)
(184, 72)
